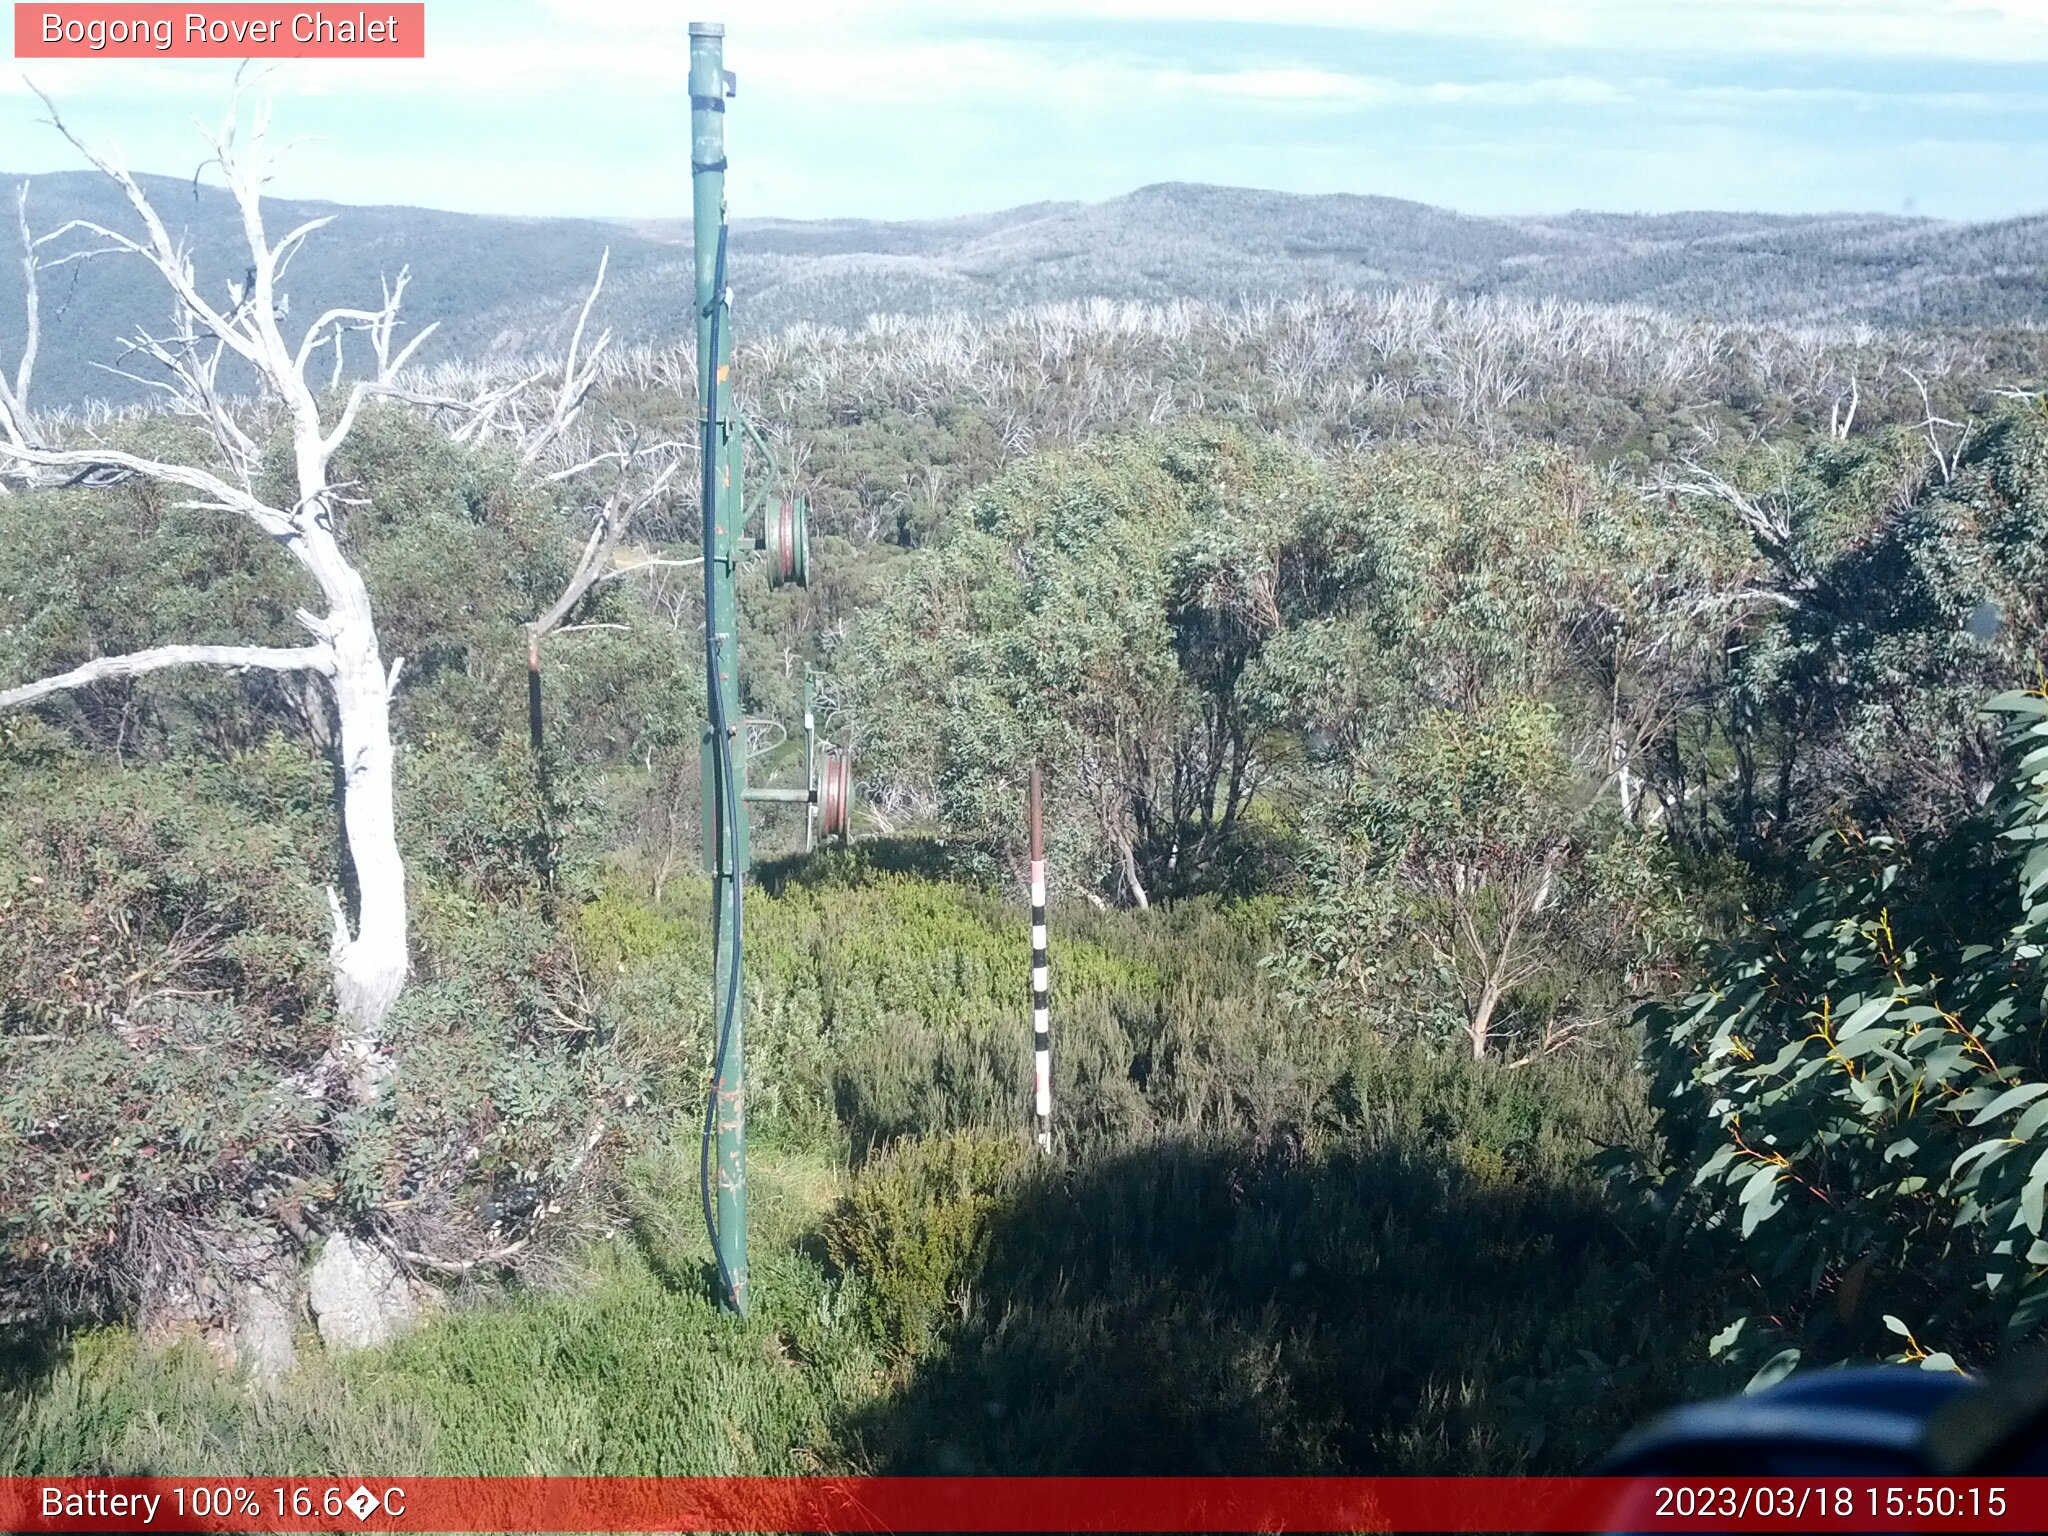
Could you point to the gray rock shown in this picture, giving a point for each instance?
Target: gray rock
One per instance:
(358, 1297)
(263, 1344)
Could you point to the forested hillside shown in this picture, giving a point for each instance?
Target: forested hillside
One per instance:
(506, 287)
(1541, 801)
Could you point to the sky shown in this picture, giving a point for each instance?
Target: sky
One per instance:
(924, 108)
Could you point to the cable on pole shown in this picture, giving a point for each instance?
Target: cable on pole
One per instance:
(726, 781)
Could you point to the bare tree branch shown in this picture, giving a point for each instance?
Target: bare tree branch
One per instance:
(24, 371)
(651, 563)
(1946, 459)
(614, 520)
(1767, 525)
(1839, 422)
(302, 658)
(576, 383)
(219, 493)
(170, 259)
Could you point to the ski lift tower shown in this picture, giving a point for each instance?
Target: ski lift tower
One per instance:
(785, 538)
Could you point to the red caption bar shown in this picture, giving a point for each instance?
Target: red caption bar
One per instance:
(1023, 1504)
(378, 31)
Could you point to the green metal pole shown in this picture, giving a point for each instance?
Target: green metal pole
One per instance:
(709, 87)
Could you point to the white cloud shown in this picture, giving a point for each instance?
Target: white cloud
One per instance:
(2009, 31)
(835, 49)
(1969, 29)
(604, 81)
(1651, 94)
(1330, 88)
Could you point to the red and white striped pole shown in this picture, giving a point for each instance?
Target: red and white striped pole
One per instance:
(1041, 980)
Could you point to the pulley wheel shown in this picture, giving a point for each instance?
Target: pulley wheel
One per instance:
(785, 535)
(835, 795)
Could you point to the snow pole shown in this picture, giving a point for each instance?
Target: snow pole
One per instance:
(1041, 979)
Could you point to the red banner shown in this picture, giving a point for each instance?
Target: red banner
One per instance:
(378, 31)
(1022, 1504)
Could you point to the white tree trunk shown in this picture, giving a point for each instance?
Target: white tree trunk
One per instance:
(370, 966)
(370, 963)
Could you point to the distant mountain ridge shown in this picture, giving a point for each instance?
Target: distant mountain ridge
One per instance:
(510, 285)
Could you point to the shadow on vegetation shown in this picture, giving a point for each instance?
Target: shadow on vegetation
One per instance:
(831, 867)
(30, 1349)
(1198, 1309)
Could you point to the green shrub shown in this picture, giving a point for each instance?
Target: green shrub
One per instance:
(1101, 611)
(1855, 1104)
(916, 1229)
(162, 972)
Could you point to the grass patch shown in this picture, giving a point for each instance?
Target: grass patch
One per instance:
(632, 1370)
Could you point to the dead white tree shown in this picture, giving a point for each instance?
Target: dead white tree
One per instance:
(486, 406)
(1768, 519)
(14, 417)
(1480, 924)
(368, 955)
(1839, 419)
(580, 372)
(631, 495)
(1948, 457)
